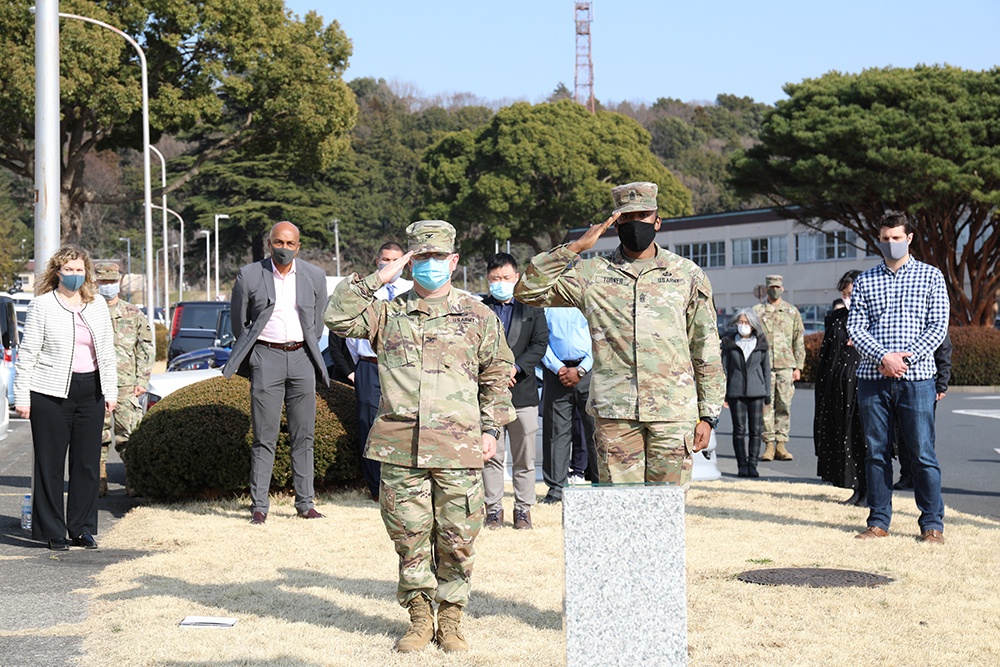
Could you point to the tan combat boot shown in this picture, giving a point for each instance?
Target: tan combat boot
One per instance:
(768, 454)
(782, 454)
(421, 630)
(449, 632)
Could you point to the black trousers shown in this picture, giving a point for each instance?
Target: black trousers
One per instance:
(58, 424)
(558, 403)
(748, 426)
(368, 392)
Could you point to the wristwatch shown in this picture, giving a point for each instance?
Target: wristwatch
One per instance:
(581, 371)
(711, 421)
(495, 432)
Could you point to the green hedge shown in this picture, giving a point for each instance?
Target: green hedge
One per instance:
(975, 359)
(196, 442)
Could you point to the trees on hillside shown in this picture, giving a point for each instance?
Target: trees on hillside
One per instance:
(534, 172)
(226, 74)
(846, 147)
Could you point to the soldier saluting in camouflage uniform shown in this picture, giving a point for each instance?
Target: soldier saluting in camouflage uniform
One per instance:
(784, 330)
(658, 385)
(444, 366)
(134, 351)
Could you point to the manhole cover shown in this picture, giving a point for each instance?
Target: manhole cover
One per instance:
(815, 577)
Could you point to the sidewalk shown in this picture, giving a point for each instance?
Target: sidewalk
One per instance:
(36, 585)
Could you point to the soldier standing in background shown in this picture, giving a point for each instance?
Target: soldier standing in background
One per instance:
(444, 366)
(134, 351)
(785, 333)
(657, 383)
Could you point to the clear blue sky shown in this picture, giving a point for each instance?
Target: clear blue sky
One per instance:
(646, 49)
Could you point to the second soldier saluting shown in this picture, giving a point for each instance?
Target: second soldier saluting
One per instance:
(444, 366)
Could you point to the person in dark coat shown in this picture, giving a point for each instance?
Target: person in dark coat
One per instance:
(837, 434)
(747, 366)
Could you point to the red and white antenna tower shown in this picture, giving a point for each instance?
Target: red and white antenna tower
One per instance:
(583, 89)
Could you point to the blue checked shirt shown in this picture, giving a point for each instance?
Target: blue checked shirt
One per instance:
(906, 311)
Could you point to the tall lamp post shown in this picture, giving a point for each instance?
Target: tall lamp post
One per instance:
(128, 262)
(180, 253)
(166, 278)
(336, 242)
(166, 254)
(218, 216)
(147, 189)
(208, 263)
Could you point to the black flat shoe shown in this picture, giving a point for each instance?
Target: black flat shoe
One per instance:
(59, 544)
(86, 541)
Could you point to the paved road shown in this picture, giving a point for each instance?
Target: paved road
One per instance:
(968, 431)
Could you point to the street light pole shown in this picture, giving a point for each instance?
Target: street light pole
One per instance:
(180, 253)
(48, 147)
(128, 262)
(218, 216)
(147, 188)
(336, 242)
(166, 254)
(208, 264)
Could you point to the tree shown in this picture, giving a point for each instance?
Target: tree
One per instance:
(16, 241)
(230, 74)
(847, 147)
(534, 172)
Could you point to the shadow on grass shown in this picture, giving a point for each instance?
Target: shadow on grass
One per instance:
(283, 660)
(279, 599)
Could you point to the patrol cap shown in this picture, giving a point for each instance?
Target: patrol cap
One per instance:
(774, 281)
(107, 271)
(430, 236)
(640, 196)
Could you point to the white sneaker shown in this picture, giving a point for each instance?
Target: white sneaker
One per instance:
(577, 480)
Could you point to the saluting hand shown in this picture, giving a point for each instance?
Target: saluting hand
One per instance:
(386, 273)
(589, 238)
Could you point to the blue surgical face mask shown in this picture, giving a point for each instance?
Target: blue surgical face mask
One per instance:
(109, 291)
(431, 273)
(72, 282)
(502, 291)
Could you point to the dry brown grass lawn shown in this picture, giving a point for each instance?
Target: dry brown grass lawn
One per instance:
(312, 593)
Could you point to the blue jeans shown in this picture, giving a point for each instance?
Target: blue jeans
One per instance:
(911, 405)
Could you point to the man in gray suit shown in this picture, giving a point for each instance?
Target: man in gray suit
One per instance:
(277, 314)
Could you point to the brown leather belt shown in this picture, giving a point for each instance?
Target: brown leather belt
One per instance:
(287, 347)
(371, 360)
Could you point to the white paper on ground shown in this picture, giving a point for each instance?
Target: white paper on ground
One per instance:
(209, 621)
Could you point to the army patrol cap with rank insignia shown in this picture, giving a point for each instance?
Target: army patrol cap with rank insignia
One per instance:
(430, 236)
(107, 271)
(774, 281)
(639, 196)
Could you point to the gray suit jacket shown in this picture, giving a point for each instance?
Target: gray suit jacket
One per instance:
(253, 302)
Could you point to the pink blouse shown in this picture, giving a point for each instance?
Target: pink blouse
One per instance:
(84, 354)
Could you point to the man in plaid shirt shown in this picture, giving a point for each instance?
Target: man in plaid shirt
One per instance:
(898, 317)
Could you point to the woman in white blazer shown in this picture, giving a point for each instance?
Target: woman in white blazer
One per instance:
(66, 379)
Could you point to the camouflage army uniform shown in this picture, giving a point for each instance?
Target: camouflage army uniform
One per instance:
(444, 366)
(657, 361)
(134, 350)
(783, 327)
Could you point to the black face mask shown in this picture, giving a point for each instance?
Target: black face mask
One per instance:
(636, 235)
(282, 256)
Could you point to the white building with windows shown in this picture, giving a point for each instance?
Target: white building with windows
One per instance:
(738, 249)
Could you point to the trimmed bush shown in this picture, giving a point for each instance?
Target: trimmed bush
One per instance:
(196, 442)
(975, 357)
(813, 343)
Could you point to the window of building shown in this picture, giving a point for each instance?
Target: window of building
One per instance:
(819, 246)
(707, 255)
(764, 250)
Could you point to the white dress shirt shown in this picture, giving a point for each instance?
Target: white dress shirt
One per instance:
(284, 325)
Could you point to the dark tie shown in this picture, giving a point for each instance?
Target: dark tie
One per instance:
(392, 292)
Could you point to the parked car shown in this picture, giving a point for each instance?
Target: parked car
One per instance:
(209, 357)
(197, 325)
